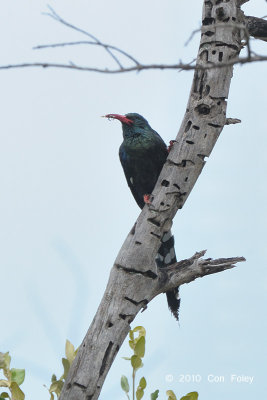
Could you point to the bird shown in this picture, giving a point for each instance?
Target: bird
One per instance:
(142, 155)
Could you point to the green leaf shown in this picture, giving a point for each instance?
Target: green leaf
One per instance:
(171, 395)
(66, 365)
(140, 389)
(142, 383)
(139, 393)
(141, 330)
(125, 384)
(190, 396)
(4, 383)
(131, 344)
(54, 378)
(17, 375)
(136, 362)
(56, 387)
(4, 395)
(17, 393)
(69, 351)
(5, 360)
(139, 349)
(154, 395)
(5, 364)
(2, 361)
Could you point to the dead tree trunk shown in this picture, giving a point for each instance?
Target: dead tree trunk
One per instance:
(134, 279)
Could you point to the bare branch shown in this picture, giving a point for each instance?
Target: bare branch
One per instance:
(193, 33)
(253, 26)
(86, 42)
(232, 121)
(188, 270)
(140, 67)
(257, 27)
(56, 17)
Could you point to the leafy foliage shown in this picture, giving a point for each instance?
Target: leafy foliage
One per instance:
(57, 384)
(137, 345)
(190, 396)
(14, 378)
(154, 395)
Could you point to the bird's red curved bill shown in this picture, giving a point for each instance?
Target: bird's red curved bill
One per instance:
(121, 118)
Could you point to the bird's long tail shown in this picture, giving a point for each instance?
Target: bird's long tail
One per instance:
(165, 257)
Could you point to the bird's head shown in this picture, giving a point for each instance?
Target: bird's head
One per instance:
(132, 123)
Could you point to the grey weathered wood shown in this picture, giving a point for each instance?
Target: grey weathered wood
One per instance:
(188, 270)
(134, 279)
(257, 27)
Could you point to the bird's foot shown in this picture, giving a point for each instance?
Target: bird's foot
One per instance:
(147, 198)
(170, 145)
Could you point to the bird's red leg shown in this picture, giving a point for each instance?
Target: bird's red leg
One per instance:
(170, 145)
(147, 198)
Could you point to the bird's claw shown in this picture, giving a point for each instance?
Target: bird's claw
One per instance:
(147, 198)
(170, 145)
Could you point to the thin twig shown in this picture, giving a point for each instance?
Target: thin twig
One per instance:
(193, 33)
(57, 17)
(137, 67)
(86, 42)
(190, 63)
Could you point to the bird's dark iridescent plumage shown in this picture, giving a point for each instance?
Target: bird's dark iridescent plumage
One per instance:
(142, 155)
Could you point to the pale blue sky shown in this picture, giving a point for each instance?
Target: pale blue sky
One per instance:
(65, 208)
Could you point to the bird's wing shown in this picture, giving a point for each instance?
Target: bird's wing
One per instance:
(128, 168)
(159, 139)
